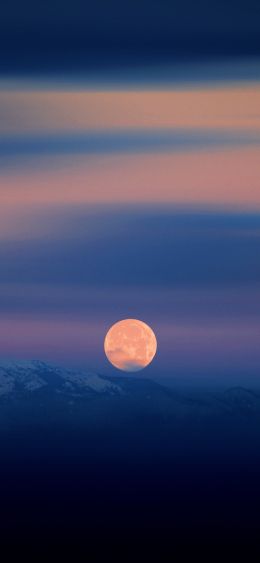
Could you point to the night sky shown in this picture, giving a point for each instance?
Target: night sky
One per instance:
(82, 35)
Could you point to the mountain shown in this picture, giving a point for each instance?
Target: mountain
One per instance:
(36, 392)
(21, 377)
(35, 384)
(32, 378)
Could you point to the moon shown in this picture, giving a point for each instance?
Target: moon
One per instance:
(130, 345)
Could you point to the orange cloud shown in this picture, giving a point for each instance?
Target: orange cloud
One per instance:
(221, 177)
(236, 107)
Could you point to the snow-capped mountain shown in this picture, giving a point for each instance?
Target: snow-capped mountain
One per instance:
(29, 376)
(33, 383)
(40, 391)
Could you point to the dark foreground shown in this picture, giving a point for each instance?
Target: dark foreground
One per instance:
(190, 484)
(107, 472)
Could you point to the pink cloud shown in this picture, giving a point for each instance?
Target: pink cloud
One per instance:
(235, 106)
(220, 177)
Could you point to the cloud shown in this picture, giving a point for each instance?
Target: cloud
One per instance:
(30, 109)
(138, 248)
(202, 177)
(91, 143)
(188, 304)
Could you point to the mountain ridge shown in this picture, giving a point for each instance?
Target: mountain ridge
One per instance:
(35, 380)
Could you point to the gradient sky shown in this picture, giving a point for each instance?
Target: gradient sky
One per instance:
(129, 185)
(63, 35)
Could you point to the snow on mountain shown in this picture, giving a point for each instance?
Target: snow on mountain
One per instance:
(33, 375)
(21, 379)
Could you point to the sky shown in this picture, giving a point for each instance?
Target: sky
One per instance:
(91, 36)
(129, 183)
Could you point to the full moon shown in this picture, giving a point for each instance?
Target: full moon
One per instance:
(130, 345)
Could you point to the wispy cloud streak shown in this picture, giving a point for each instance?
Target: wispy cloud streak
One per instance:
(224, 106)
(122, 142)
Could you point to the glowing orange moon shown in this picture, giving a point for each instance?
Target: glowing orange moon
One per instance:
(130, 345)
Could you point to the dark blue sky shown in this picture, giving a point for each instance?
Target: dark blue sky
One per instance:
(64, 35)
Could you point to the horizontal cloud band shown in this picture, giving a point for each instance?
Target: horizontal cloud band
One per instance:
(122, 141)
(142, 248)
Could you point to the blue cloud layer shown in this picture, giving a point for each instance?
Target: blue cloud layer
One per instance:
(138, 248)
(22, 147)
